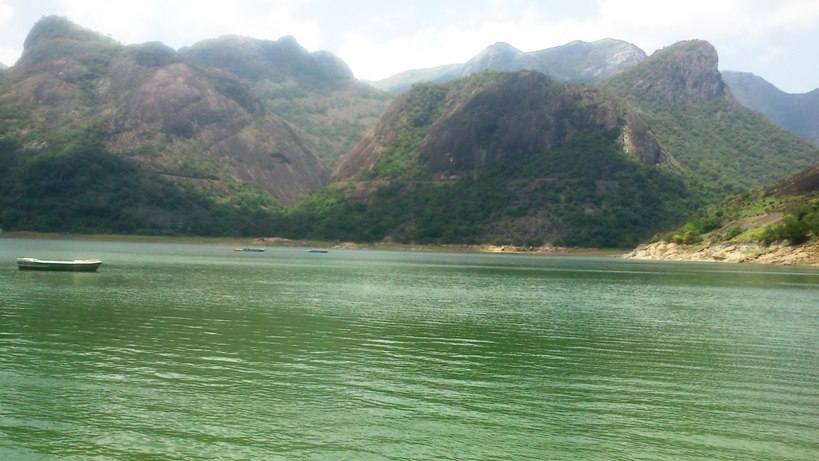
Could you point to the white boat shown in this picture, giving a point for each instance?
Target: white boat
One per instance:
(77, 265)
(250, 249)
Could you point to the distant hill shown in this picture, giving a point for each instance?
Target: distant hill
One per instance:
(189, 147)
(519, 158)
(797, 113)
(583, 62)
(575, 62)
(315, 93)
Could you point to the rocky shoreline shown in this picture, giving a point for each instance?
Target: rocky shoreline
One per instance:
(751, 252)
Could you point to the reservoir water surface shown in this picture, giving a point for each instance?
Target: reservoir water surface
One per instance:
(194, 351)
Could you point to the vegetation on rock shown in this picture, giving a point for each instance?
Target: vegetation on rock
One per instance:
(787, 211)
(234, 136)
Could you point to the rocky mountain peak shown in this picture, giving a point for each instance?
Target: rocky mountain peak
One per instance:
(492, 117)
(684, 72)
(55, 40)
(256, 59)
(501, 56)
(58, 27)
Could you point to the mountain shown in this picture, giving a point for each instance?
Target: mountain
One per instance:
(176, 144)
(519, 158)
(721, 146)
(511, 158)
(315, 93)
(575, 62)
(3, 67)
(774, 224)
(797, 113)
(583, 62)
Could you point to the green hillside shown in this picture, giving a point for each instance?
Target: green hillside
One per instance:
(84, 189)
(519, 158)
(101, 137)
(586, 192)
(547, 164)
(719, 146)
(787, 211)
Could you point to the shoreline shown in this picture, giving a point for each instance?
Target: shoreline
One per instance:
(806, 255)
(776, 254)
(545, 250)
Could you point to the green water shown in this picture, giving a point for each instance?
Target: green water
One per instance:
(176, 351)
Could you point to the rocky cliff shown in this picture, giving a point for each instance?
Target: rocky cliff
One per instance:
(683, 73)
(717, 143)
(153, 106)
(502, 117)
(315, 93)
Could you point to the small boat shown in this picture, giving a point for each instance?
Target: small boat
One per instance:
(77, 265)
(252, 250)
(317, 251)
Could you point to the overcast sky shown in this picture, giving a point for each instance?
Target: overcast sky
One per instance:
(775, 39)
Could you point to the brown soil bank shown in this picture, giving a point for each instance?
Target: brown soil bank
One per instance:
(781, 254)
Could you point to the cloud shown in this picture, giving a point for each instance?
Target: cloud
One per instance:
(8, 55)
(189, 21)
(748, 32)
(378, 39)
(654, 24)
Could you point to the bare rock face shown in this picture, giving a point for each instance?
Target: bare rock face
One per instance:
(802, 183)
(507, 116)
(150, 104)
(684, 72)
(517, 118)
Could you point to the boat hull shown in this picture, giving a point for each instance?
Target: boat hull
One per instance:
(78, 265)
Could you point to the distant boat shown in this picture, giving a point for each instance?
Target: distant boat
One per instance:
(317, 251)
(252, 250)
(77, 265)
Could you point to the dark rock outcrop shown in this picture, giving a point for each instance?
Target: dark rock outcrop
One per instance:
(681, 73)
(506, 117)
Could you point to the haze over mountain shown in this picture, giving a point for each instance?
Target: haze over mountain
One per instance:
(797, 113)
(315, 92)
(583, 62)
(575, 62)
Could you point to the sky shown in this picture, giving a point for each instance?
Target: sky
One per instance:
(775, 39)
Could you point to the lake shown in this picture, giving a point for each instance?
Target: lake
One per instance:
(194, 351)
